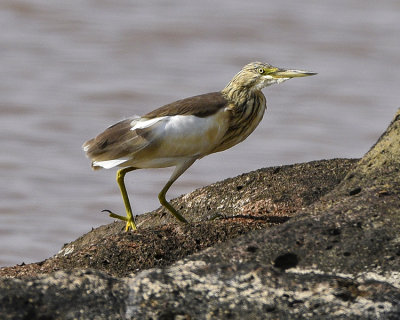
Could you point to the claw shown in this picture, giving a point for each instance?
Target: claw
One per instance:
(114, 215)
(130, 223)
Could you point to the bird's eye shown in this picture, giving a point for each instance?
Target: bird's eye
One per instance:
(261, 71)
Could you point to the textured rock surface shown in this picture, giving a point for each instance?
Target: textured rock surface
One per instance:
(64, 295)
(255, 200)
(336, 258)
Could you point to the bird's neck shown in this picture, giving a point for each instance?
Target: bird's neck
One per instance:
(240, 95)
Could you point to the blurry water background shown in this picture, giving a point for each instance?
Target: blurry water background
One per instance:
(69, 69)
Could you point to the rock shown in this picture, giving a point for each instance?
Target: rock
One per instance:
(335, 258)
(64, 295)
(222, 211)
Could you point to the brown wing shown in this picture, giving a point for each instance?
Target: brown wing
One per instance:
(200, 106)
(115, 142)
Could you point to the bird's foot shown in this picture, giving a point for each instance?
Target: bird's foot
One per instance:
(130, 222)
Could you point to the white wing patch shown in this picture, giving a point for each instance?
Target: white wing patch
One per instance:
(144, 123)
(108, 164)
(188, 135)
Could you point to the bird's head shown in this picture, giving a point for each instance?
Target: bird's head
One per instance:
(258, 75)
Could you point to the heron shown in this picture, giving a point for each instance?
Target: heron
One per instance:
(181, 132)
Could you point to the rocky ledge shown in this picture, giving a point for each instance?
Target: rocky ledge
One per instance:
(318, 240)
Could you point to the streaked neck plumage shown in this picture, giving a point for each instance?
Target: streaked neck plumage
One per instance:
(242, 88)
(246, 106)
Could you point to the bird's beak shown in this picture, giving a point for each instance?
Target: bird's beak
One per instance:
(286, 73)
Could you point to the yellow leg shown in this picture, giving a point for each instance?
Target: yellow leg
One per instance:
(167, 205)
(179, 169)
(130, 222)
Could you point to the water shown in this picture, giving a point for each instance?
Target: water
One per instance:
(70, 68)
